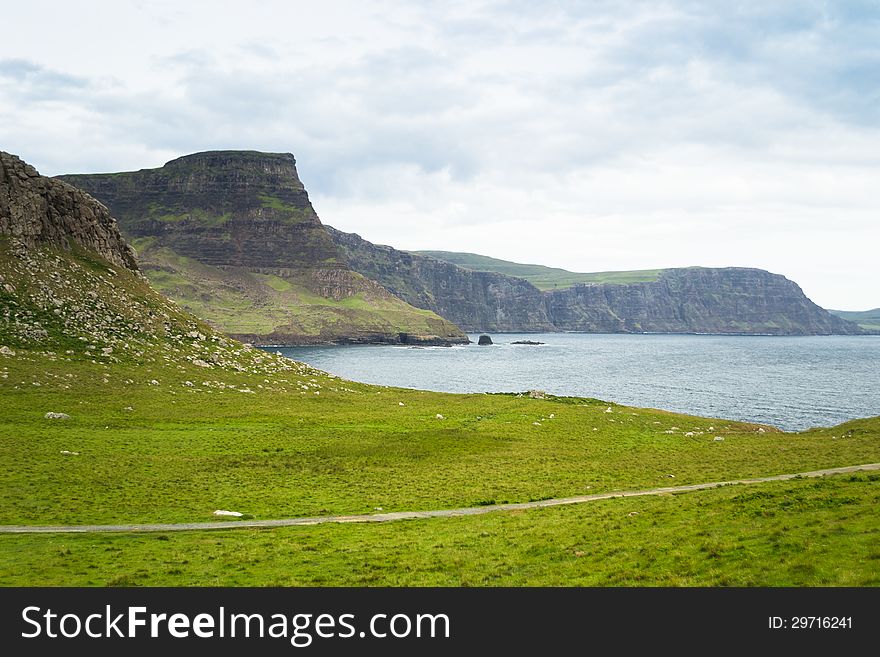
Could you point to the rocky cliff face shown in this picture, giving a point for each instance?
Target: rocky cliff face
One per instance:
(693, 300)
(40, 211)
(232, 237)
(226, 208)
(479, 301)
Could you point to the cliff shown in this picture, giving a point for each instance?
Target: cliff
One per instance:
(479, 301)
(232, 237)
(693, 300)
(35, 210)
(731, 300)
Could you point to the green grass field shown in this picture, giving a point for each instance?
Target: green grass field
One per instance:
(169, 421)
(795, 533)
(544, 278)
(302, 444)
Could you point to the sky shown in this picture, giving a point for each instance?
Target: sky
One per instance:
(592, 135)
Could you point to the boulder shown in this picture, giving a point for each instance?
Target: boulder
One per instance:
(484, 340)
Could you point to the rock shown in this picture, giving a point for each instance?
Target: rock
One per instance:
(153, 382)
(484, 340)
(6, 351)
(528, 342)
(56, 416)
(689, 300)
(222, 512)
(718, 439)
(537, 394)
(44, 211)
(439, 417)
(68, 453)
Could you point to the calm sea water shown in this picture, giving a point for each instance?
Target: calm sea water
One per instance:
(789, 382)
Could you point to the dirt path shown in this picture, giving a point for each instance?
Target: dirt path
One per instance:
(410, 515)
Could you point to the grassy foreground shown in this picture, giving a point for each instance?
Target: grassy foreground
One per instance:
(794, 533)
(165, 420)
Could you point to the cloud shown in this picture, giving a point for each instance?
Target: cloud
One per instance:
(682, 123)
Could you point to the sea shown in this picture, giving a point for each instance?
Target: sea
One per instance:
(792, 383)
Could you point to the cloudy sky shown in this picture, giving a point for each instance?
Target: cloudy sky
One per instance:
(586, 135)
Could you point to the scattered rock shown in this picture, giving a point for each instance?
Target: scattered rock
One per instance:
(6, 351)
(56, 416)
(153, 382)
(718, 439)
(537, 394)
(439, 417)
(401, 404)
(222, 512)
(484, 340)
(67, 453)
(632, 513)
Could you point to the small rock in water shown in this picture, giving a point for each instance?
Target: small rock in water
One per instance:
(56, 416)
(221, 512)
(484, 340)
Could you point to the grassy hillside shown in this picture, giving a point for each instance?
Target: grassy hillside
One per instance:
(309, 305)
(867, 319)
(544, 278)
(169, 421)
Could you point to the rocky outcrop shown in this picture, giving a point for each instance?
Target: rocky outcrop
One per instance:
(232, 237)
(693, 300)
(41, 211)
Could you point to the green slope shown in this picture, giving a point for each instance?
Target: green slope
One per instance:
(544, 278)
(867, 319)
(288, 305)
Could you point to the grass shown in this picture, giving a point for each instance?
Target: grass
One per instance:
(794, 533)
(246, 303)
(867, 319)
(544, 278)
(170, 421)
(302, 444)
